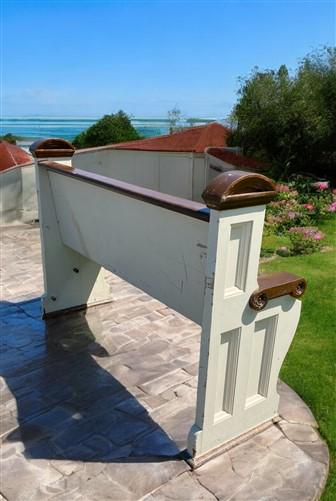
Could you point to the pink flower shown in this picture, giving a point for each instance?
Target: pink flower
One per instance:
(334, 191)
(282, 188)
(321, 185)
(291, 215)
(308, 206)
(308, 232)
(332, 207)
(275, 204)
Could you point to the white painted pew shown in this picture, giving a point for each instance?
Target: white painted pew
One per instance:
(201, 260)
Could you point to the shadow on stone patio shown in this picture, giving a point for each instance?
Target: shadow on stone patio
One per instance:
(68, 406)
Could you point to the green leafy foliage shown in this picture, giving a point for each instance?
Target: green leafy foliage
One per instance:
(114, 128)
(305, 240)
(309, 367)
(290, 120)
(10, 138)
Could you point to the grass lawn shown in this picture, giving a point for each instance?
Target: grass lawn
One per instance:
(310, 366)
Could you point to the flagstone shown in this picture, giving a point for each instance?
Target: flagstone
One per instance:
(97, 404)
(299, 432)
(185, 487)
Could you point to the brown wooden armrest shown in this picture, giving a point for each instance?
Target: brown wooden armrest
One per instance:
(276, 285)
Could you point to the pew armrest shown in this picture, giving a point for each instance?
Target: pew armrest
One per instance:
(276, 285)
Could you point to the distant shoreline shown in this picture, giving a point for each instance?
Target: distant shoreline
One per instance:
(30, 128)
(63, 117)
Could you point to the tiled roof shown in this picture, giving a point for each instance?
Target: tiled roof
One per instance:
(238, 160)
(195, 139)
(11, 155)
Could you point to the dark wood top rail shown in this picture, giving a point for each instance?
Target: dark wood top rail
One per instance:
(170, 202)
(276, 285)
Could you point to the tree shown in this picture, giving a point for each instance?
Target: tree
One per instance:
(10, 138)
(114, 128)
(290, 121)
(174, 117)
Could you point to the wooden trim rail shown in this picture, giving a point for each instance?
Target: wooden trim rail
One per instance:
(276, 285)
(176, 204)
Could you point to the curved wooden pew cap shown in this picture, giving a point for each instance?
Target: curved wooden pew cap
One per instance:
(237, 188)
(52, 148)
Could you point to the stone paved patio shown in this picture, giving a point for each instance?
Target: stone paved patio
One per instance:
(97, 405)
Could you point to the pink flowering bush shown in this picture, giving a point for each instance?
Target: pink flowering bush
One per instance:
(282, 188)
(309, 207)
(321, 185)
(285, 192)
(286, 211)
(317, 194)
(297, 210)
(300, 203)
(332, 207)
(305, 240)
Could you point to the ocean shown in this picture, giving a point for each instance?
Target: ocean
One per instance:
(31, 128)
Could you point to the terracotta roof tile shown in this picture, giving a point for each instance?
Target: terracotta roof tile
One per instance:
(195, 139)
(238, 160)
(11, 155)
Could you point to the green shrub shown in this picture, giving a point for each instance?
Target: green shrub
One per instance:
(305, 240)
(266, 252)
(300, 203)
(115, 128)
(286, 212)
(315, 196)
(10, 138)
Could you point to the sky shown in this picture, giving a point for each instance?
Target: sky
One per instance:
(92, 57)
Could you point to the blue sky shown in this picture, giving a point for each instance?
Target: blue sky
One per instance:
(90, 57)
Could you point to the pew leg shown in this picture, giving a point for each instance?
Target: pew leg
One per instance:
(70, 279)
(72, 282)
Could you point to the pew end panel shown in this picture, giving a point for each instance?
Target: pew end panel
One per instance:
(71, 280)
(242, 347)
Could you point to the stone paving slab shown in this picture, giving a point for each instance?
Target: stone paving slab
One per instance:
(97, 405)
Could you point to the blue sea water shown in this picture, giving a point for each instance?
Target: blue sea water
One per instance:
(32, 128)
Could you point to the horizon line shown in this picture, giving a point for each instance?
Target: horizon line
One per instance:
(84, 117)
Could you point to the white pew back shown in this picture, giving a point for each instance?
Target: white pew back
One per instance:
(158, 250)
